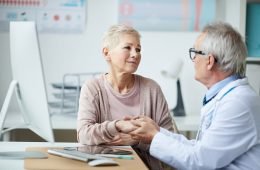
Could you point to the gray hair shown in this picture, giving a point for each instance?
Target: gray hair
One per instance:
(111, 37)
(227, 46)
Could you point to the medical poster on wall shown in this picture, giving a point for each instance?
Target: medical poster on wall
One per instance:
(52, 16)
(166, 15)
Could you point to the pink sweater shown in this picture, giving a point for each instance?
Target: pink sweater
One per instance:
(95, 125)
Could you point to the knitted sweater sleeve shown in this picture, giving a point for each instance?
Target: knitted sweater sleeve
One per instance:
(93, 127)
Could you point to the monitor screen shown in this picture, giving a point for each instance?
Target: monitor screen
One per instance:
(27, 70)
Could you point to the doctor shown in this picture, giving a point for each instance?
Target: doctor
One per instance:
(229, 134)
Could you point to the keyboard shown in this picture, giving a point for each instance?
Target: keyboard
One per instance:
(74, 154)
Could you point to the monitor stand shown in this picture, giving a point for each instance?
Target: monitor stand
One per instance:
(13, 87)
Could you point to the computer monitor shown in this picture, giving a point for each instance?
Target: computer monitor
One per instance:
(27, 70)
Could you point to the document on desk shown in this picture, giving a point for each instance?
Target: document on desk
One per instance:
(100, 149)
(129, 157)
(87, 153)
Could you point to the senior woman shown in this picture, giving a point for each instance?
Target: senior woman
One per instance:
(107, 102)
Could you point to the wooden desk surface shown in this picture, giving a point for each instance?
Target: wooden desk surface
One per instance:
(135, 164)
(60, 163)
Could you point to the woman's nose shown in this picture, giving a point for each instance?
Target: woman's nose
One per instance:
(134, 53)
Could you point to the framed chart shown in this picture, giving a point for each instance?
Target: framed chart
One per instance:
(59, 16)
(166, 15)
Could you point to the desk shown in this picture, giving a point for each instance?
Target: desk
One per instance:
(21, 146)
(59, 121)
(253, 60)
(67, 121)
(186, 124)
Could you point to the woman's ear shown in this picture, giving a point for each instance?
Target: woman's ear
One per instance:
(105, 52)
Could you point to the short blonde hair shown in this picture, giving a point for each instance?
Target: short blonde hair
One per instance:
(111, 37)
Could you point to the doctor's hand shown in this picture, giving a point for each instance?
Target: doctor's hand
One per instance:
(146, 130)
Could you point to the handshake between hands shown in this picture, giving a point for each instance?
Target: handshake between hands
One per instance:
(135, 129)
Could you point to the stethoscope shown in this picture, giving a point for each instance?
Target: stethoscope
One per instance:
(210, 115)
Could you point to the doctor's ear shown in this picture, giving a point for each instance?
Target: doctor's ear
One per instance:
(211, 62)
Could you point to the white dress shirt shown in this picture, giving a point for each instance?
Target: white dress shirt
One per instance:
(228, 138)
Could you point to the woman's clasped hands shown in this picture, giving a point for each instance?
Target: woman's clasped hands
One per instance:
(139, 128)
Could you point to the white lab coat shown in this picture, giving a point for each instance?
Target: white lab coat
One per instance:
(229, 136)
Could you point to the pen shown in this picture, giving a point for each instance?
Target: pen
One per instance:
(129, 157)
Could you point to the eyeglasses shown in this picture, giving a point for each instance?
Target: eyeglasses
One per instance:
(194, 52)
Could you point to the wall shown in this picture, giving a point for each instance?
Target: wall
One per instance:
(76, 53)
(66, 53)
